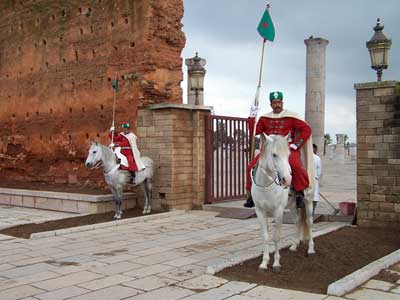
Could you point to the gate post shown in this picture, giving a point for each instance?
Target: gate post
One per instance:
(173, 135)
(378, 156)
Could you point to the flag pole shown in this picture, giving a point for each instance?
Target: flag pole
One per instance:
(252, 146)
(113, 118)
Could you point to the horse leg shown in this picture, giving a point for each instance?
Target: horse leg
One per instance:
(309, 225)
(277, 237)
(118, 210)
(145, 194)
(149, 188)
(297, 238)
(262, 217)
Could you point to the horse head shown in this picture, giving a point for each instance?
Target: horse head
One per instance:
(94, 157)
(275, 157)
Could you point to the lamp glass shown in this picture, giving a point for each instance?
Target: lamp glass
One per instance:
(196, 81)
(377, 57)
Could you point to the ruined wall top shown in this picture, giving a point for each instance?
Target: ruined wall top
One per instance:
(57, 61)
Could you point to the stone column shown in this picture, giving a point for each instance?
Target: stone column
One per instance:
(191, 95)
(315, 88)
(339, 150)
(173, 135)
(378, 155)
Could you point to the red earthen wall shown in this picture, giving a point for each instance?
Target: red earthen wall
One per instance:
(57, 61)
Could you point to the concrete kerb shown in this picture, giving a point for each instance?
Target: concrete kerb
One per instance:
(237, 259)
(355, 279)
(105, 224)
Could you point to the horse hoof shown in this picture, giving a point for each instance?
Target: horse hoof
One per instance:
(312, 253)
(276, 269)
(293, 248)
(262, 270)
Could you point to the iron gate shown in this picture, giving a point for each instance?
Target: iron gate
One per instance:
(227, 156)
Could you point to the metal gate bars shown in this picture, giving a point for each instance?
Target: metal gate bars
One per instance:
(227, 156)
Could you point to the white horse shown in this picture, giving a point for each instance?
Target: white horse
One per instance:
(102, 156)
(270, 191)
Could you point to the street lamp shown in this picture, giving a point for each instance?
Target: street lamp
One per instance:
(378, 47)
(196, 77)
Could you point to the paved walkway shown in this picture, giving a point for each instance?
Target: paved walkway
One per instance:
(163, 259)
(155, 259)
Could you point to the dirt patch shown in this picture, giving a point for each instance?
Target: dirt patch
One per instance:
(25, 231)
(338, 254)
(54, 187)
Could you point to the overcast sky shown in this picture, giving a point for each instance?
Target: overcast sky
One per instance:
(224, 33)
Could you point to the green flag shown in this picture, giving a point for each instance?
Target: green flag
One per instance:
(115, 85)
(266, 27)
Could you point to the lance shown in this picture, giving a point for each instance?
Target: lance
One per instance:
(115, 88)
(267, 31)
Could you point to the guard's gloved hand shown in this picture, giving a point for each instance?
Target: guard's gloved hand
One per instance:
(253, 111)
(293, 146)
(112, 129)
(112, 145)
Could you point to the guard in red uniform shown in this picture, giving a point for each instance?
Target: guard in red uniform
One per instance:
(282, 122)
(127, 141)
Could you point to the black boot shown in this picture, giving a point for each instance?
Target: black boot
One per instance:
(249, 202)
(133, 175)
(300, 199)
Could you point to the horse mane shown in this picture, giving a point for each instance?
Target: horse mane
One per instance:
(108, 154)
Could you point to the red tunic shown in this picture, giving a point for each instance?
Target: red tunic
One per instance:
(299, 131)
(121, 141)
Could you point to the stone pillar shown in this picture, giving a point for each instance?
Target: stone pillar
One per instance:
(173, 135)
(339, 150)
(315, 88)
(378, 155)
(191, 94)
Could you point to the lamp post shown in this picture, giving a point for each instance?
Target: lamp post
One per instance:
(196, 73)
(378, 47)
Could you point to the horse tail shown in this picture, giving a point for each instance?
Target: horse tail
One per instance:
(304, 224)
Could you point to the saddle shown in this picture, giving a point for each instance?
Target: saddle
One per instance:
(122, 160)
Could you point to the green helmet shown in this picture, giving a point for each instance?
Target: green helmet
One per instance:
(126, 125)
(275, 96)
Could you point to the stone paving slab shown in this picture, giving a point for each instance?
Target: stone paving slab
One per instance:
(150, 283)
(62, 294)
(270, 293)
(369, 294)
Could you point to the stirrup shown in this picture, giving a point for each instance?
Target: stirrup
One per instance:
(249, 202)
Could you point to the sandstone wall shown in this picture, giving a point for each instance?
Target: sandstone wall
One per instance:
(57, 61)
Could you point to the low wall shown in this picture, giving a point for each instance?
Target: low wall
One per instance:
(68, 202)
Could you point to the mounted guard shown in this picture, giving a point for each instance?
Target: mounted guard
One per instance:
(125, 148)
(119, 159)
(284, 122)
(278, 166)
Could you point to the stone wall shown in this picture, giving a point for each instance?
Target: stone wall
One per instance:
(173, 135)
(378, 153)
(57, 61)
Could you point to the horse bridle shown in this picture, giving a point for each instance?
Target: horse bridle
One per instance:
(278, 180)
